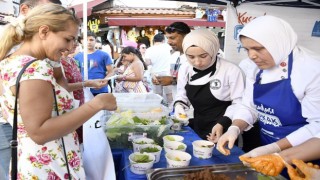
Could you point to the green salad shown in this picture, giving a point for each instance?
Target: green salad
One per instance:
(127, 118)
(141, 158)
(119, 125)
(180, 147)
(170, 138)
(141, 142)
(149, 150)
(175, 121)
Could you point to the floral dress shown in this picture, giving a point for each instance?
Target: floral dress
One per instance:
(40, 161)
(73, 75)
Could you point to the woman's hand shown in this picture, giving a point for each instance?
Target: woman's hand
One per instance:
(96, 83)
(270, 164)
(105, 101)
(216, 133)
(180, 113)
(262, 150)
(120, 78)
(309, 171)
(228, 137)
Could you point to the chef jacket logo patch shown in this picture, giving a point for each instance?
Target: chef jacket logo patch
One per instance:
(215, 84)
(269, 119)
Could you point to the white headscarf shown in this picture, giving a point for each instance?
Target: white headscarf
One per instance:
(203, 38)
(276, 35)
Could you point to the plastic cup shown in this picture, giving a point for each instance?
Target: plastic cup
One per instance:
(184, 122)
(177, 159)
(140, 168)
(202, 149)
(176, 126)
(174, 145)
(169, 138)
(178, 123)
(140, 141)
(156, 154)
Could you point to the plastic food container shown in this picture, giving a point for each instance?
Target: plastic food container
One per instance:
(156, 154)
(202, 149)
(140, 168)
(169, 138)
(141, 141)
(177, 159)
(138, 102)
(121, 126)
(174, 145)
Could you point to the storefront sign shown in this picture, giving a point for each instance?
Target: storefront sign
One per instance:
(94, 25)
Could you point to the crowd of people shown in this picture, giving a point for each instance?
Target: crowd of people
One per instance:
(276, 88)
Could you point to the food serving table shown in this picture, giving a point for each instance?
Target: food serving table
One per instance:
(120, 157)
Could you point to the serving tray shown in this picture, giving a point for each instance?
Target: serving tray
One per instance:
(232, 171)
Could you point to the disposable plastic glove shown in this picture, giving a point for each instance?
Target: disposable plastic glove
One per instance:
(216, 133)
(310, 171)
(180, 113)
(229, 137)
(270, 164)
(262, 150)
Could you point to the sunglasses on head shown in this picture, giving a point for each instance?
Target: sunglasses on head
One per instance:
(171, 29)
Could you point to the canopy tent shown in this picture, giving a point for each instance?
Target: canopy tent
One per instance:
(90, 4)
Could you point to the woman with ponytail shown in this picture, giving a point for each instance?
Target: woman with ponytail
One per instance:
(46, 32)
(131, 79)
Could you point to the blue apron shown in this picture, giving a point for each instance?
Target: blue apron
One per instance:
(279, 110)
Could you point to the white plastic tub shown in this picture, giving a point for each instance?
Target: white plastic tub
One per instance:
(138, 102)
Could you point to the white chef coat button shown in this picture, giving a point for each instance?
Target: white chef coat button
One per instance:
(282, 77)
(284, 70)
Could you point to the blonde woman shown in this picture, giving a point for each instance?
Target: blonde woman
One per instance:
(46, 32)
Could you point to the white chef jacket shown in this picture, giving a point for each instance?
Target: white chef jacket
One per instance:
(305, 81)
(230, 76)
(182, 69)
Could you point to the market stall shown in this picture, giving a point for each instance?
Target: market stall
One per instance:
(122, 162)
(142, 116)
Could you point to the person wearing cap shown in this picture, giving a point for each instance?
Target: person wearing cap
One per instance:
(175, 33)
(211, 84)
(282, 88)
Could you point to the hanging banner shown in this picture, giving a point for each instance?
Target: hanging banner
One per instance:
(301, 19)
